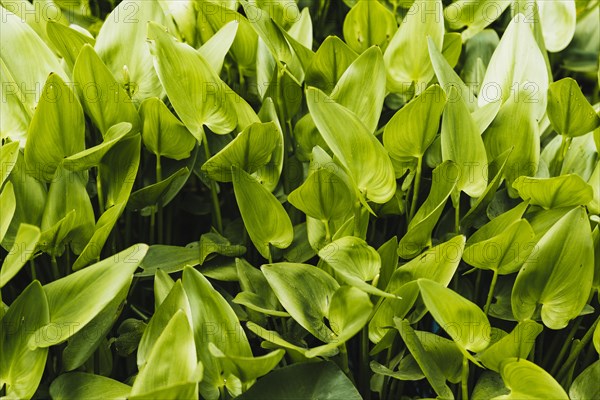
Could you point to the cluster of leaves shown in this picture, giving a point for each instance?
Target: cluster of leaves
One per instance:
(207, 198)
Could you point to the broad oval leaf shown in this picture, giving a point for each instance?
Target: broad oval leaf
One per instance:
(560, 191)
(77, 298)
(516, 70)
(162, 133)
(329, 64)
(81, 385)
(358, 150)
(558, 21)
(406, 57)
(461, 142)
(569, 111)
(585, 386)
(367, 24)
(249, 151)
(171, 362)
(57, 128)
(195, 90)
(310, 381)
(264, 216)
(103, 98)
(323, 195)
(305, 291)
(121, 43)
(463, 320)
(474, 15)
(526, 380)
(24, 248)
(413, 128)
(558, 274)
(21, 367)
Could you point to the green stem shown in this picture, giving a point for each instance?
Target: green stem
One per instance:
(54, 264)
(465, 379)
(490, 295)
(159, 205)
(576, 350)
(416, 187)
(344, 361)
(327, 230)
(217, 220)
(100, 193)
(32, 269)
(357, 219)
(457, 213)
(152, 226)
(564, 348)
(560, 156)
(363, 378)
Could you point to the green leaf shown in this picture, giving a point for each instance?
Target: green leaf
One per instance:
(361, 89)
(418, 236)
(23, 250)
(305, 292)
(329, 64)
(561, 191)
(569, 111)
(8, 205)
(585, 385)
(515, 127)
(527, 380)
(213, 321)
(475, 15)
(256, 293)
(358, 150)
(558, 23)
(406, 57)
(517, 344)
(77, 298)
(21, 368)
(247, 369)
(355, 261)
(505, 252)
(367, 24)
(68, 193)
(67, 41)
(81, 385)
(517, 72)
(92, 157)
(264, 217)
(84, 343)
(8, 157)
(310, 381)
(488, 386)
(249, 151)
(103, 98)
(57, 129)
(348, 313)
(172, 361)
(413, 128)
(461, 142)
(270, 173)
(156, 193)
(215, 49)
(162, 133)
(323, 195)
(558, 274)
(175, 301)
(163, 284)
(430, 368)
(20, 44)
(463, 320)
(121, 43)
(183, 72)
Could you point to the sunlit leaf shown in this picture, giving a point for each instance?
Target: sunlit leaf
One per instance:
(526, 380)
(561, 191)
(329, 64)
(558, 274)
(22, 367)
(558, 21)
(568, 110)
(474, 15)
(517, 343)
(368, 24)
(23, 250)
(79, 385)
(67, 41)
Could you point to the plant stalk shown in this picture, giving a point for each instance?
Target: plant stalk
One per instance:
(490, 295)
(465, 379)
(416, 187)
(217, 220)
(577, 350)
(363, 378)
(159, 206)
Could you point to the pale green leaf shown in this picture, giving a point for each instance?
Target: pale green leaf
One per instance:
(561, 191)
(569, 111)
(526, 380)
(23, 250)
(67, 41)
(8, 205)
(81, 385)
(558, 22)
(368, 24)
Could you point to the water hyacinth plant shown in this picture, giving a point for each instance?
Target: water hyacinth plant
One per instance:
(305, 199)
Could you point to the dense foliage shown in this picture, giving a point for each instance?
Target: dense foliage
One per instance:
(299, 200)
